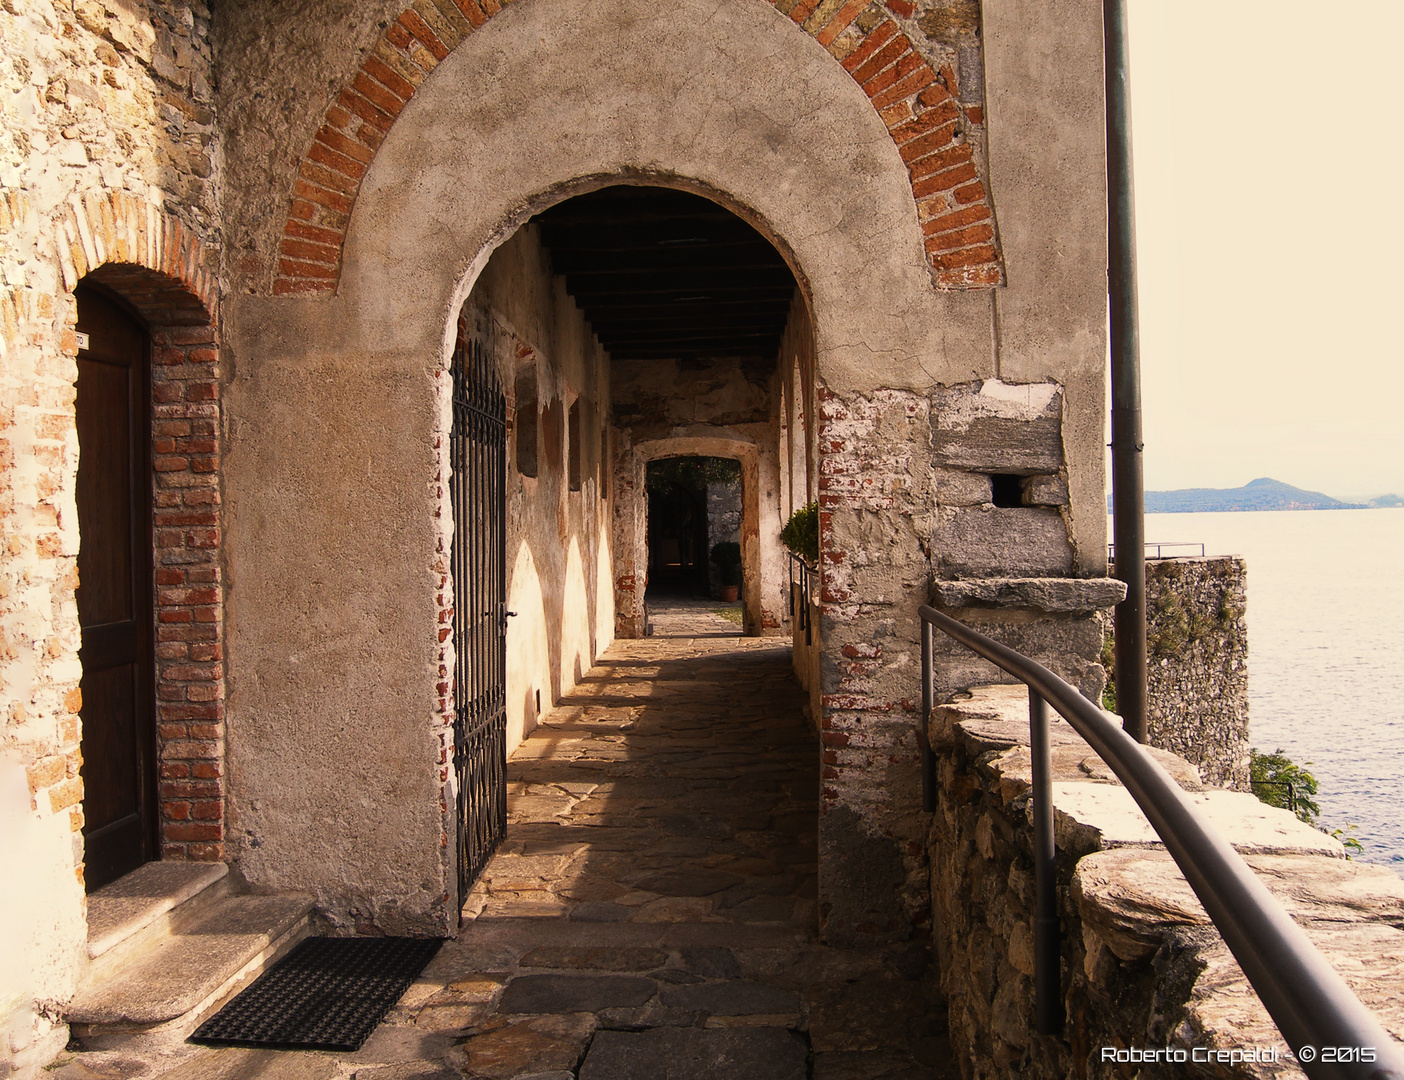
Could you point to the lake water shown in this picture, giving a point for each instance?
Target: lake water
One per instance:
(1325, 652)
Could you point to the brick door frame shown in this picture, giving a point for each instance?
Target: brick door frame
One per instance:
(157, 267)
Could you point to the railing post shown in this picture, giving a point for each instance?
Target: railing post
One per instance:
(928, 694)
(1048, 976)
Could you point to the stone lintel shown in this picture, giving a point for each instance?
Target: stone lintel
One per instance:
(1054, 595)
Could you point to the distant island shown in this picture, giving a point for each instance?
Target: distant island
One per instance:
(1261, 494)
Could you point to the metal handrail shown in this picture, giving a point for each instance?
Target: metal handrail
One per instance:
(1160, 545)
(806, 572)
(1310, 1003)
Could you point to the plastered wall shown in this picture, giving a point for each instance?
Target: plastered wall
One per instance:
(559, 564)
(335, 413)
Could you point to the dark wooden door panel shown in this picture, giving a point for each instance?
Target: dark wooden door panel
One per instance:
(115, 592)
(105, 394)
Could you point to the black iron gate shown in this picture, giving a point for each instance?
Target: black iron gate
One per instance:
(478, 452)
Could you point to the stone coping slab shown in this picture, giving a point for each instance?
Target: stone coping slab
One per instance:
(1056, 596)
(1092, 811)
(1133, 897)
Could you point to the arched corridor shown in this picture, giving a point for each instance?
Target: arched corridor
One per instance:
(655, 900)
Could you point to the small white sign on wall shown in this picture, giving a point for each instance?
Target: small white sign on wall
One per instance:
(82, 340)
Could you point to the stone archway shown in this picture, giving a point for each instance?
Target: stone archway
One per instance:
(931, 127)
(759, 559)
(346, 634)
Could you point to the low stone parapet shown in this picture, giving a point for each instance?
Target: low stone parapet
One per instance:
(1145, 975)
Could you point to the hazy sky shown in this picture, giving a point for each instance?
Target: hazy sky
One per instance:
(1269, 155)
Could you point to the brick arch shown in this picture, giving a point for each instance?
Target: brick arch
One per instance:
(166, 273)
(916, 103)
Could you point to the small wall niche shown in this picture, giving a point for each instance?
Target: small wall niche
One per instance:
(1006, 490)
(604, 461)
(574, 447)
(553, 433)
(526, 421)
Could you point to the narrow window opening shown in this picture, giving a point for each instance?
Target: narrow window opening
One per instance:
(1007, 490)
(526, 421)
(604, 462)
(552, 423)
(573, 446)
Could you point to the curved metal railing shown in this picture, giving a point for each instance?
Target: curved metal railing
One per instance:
(803, 578)
(1310, 1003)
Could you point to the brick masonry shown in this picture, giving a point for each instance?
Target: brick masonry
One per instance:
(161, 268)
(906, 62)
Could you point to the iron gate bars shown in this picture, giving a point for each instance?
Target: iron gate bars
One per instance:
(478, 492)
(1310, 1004)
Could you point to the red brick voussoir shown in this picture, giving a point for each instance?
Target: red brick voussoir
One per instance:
(915, 102)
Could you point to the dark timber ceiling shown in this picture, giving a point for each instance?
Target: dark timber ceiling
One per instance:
(666, 274)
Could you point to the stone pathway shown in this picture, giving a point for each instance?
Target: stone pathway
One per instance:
(652, 913)
(673, 616)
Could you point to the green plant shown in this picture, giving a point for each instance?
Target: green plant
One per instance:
(1350, 843)
(730, 614)
(727, 556)
(801, 533)
(1108, 660)
(693, 473)
(1278, 781)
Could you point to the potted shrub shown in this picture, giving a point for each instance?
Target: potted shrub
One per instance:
(727, 556)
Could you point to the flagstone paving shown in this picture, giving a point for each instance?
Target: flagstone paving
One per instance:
(652, 913)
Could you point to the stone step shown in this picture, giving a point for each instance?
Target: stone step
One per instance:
(165, 990)
(146, 906)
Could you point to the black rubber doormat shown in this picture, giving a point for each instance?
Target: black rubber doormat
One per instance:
(327, 994)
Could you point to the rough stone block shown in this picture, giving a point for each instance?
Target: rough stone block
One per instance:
(547, 1044)
(1046, 491)
(732, 998)
(960, 487)
(574, 993)
(995, 427)
(1043, 594)
(1132, 898)
(1012, 543)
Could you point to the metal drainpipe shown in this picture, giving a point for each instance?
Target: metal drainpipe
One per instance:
(1128, 505)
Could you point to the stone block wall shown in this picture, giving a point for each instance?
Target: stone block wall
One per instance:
(1142, 967)
(109, 170)
(958, 497)
(1197, 669)
(723, 524)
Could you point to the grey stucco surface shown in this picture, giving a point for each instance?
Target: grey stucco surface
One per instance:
(337, 640)
(1043, 87)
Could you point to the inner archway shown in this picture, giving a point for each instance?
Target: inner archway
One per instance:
(646, 337)
(694, 528)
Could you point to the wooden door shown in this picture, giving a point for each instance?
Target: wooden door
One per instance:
(115, 591)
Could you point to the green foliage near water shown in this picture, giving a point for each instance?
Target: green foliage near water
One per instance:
(1108, 661)
(1279, 781)
(801, 533)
